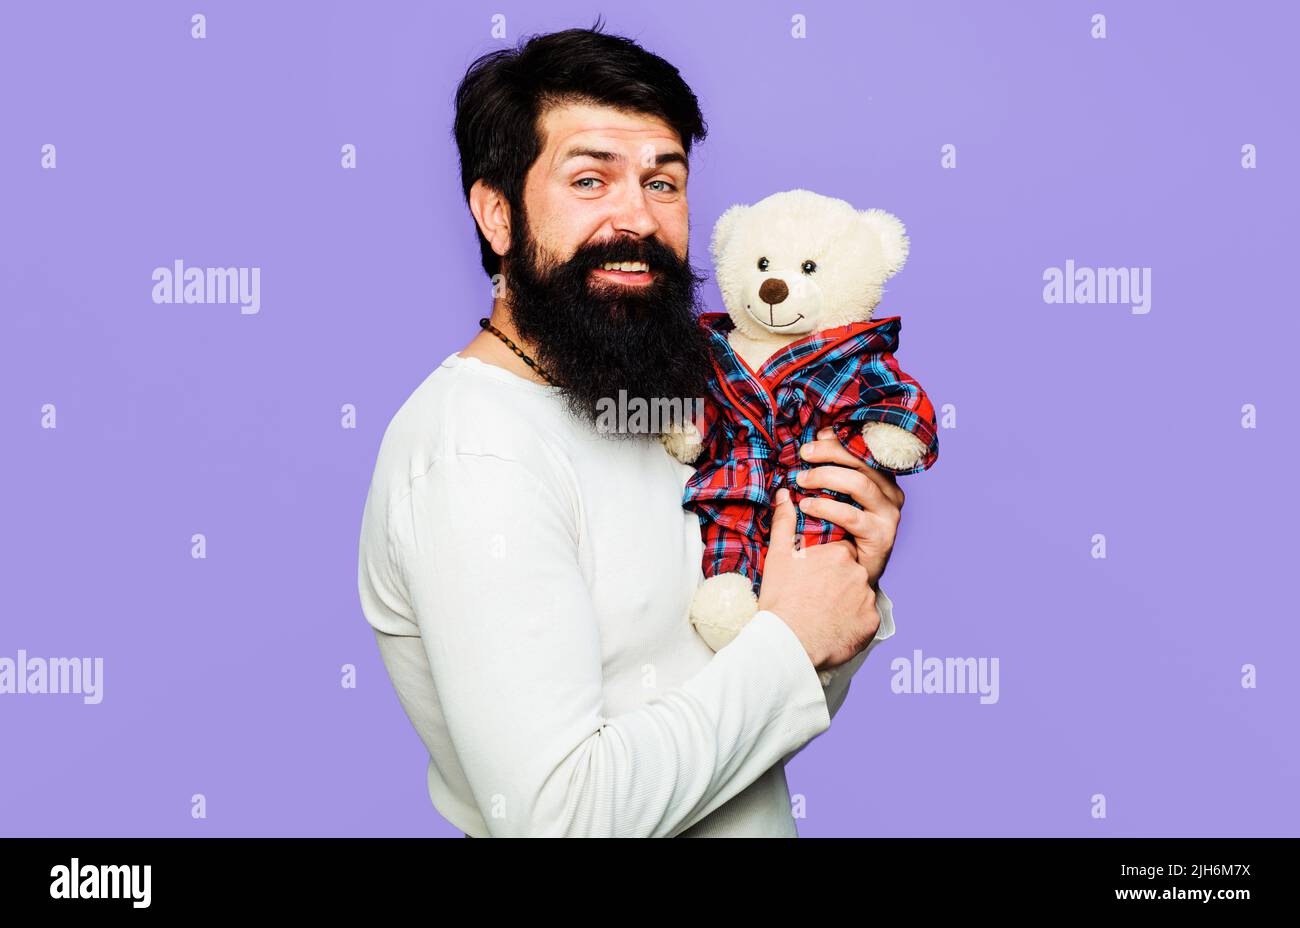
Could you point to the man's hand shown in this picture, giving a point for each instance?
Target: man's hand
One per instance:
(821, 592)
(875, 525)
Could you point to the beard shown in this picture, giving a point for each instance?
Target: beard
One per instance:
(595, 338)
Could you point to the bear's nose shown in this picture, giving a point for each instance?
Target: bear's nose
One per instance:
(773, 291)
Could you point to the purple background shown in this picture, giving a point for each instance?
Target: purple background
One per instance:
(222, 676)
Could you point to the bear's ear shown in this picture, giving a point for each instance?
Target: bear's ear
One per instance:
(893, 238)
(724, 227)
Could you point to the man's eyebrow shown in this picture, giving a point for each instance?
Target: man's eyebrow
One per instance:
(611, 157)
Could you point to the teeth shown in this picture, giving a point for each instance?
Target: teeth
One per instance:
(629, 266)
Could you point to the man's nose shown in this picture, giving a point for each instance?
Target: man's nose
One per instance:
(773, 291)
(633, 214)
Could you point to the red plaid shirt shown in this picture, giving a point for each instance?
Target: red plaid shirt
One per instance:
(755, 422)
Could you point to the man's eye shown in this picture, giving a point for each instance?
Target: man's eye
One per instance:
(666, 184)
(582, 180)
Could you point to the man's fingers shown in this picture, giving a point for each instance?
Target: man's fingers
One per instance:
(861, 525)
(829, 451)
(781, 539)
(851, 482)
(888, 484)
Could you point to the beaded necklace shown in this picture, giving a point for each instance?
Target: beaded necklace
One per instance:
(483, 323)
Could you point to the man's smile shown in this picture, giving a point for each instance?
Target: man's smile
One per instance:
(634, 273)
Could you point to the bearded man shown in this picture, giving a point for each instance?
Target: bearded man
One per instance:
(528, 575)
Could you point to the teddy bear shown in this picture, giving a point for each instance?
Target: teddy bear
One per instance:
(797, 350)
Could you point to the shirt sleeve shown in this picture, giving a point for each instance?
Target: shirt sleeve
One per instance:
(881, 391)
(488, 551)
(838, 689)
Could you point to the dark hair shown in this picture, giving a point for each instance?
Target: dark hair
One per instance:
(504, 94)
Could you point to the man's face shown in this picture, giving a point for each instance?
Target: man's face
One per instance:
(603, 174)
(598, 277)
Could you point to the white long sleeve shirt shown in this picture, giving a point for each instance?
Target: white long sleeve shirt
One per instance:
(528, 581)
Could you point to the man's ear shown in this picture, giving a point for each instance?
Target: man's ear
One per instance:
(723, 229)
(889, 230)
(492, 213)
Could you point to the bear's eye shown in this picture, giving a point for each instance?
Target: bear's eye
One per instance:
(808, 267)
(762, 264)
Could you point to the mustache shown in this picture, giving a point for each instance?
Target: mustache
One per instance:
(650, 251)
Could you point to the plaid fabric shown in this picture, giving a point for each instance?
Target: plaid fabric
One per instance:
(755, 422)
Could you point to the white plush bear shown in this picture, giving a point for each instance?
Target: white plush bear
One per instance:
(791, 267)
